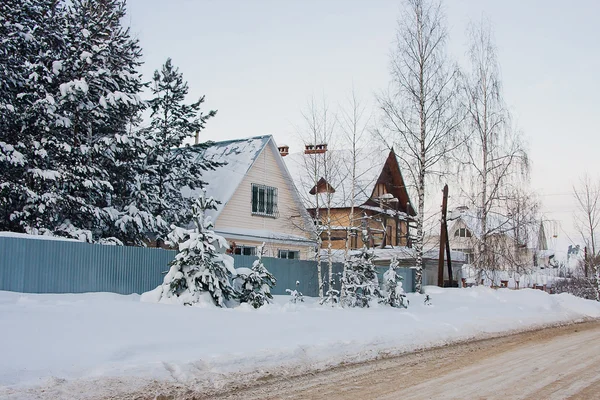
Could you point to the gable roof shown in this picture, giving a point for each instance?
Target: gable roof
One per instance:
(239, 156)
(498, 224)
(370, 163)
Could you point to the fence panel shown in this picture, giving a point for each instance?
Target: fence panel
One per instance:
(32, 265)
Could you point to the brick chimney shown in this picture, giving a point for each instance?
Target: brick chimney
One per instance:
(315, 148)
(284, 150)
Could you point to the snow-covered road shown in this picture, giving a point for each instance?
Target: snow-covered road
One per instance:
(555, 363)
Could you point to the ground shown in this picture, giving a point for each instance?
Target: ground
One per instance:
(103, 345)
(554, 363)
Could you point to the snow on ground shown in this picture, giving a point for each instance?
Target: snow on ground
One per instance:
(83, 345)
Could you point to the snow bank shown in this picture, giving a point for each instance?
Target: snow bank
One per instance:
(99, 343)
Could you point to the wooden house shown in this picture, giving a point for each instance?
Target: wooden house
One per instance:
(357, 197)
(258, 200)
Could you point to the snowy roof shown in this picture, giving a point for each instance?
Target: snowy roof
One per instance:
(369, 165)
(259, 234)
(496, 223)
(533, 232)
(37, 237)
(238, 155)
(400, 252)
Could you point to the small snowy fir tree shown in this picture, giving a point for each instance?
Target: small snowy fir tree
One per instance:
(332, 296)
(297, 295)
(361, 282)
(393, 293)
(254, 285)
(201, 264)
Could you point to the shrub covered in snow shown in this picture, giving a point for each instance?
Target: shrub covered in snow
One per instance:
(332, 296)
(297, 295)
(201, 264)
(361, 284)
(254, 285)
(393, 292)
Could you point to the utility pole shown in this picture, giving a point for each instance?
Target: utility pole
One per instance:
(443, 238)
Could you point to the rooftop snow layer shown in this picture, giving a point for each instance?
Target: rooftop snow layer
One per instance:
(369, 164)
(238, 155)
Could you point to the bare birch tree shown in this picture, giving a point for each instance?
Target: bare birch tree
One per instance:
(419, 113)
(354, 121)
(587, 220)
(495, 155)
(319, 167)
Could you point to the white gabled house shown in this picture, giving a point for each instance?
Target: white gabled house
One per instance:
(259, 202)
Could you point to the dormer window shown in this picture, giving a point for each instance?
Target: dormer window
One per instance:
(462, 232)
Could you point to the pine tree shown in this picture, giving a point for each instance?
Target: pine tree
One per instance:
(31, 50)
(201, 264)
(361, 283)
(254, 286)
(98, 97)
(171, 164)
(393, 293)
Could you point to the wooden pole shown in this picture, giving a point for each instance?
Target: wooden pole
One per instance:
(448, 258)
(443, 238)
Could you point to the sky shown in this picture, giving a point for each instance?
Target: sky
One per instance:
(259, 62)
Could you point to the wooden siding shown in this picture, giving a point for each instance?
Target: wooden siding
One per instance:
(272, 248)
(237, 213)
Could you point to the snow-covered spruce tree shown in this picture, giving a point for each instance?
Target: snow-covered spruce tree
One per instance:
(296, 295)
(361, 282)
(98, 97)
(169, 166)
(254, 286)
(30, 58)
(201, 264)
(393, 293)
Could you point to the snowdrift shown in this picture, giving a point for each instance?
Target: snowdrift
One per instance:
(87, 345)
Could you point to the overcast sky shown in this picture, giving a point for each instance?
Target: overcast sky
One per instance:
(258, 62)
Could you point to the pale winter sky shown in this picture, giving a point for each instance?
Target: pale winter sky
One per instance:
(259, 62)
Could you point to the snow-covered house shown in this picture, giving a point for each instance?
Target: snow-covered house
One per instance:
(330, 182)
(516, 248)
(258, 200)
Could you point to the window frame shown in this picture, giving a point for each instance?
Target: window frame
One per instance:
(463, 233)
(263, 200)
(242, 248)
(287, 252)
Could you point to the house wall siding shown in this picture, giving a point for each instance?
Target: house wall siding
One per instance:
(341, 217)
(272, 248)
(237, 213)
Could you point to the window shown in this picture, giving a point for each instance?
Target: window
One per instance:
(264, 200)
(289, 254)
(245, 250)
(468, 255)
(462, 232)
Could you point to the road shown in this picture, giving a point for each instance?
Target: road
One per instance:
(554, 363)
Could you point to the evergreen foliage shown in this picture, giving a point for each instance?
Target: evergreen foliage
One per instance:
(393, 293)
(201, 264)
(254, 285)
(169, 166)
(360, 282)
(332, 296)
(296, 295)
(73, 160)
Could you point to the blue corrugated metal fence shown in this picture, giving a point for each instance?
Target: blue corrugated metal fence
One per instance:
(47, 266)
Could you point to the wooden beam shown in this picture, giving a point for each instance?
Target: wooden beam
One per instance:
(443, 237)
